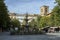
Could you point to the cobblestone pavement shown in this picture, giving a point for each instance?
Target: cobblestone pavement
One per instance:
(6, 36)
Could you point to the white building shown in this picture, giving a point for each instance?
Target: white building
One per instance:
(44, 11)
(21, 17)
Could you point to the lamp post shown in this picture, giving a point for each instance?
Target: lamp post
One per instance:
(26, 20)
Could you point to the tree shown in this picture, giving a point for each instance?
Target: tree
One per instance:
(49, 21)
(43, 22)
(15, 23)
(4, 17)
(33, 26)
(55, 17)
(38, 20)
(58, 2)
(33, 23)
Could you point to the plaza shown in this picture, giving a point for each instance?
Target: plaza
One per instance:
(6, 36)
(29, 20)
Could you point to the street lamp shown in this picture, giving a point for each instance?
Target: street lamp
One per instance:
(26, 20)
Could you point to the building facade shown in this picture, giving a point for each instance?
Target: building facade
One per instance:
(44, 10)
(21, 17)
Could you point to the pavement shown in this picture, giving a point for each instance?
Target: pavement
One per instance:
(57, 34)
(48, 36)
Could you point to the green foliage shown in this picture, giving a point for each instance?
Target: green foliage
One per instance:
(58, 2)
(33, 23)
(56, 16)
(24, 22)
(4, 17)
(53, 19)
(15, 23)
(41, 22)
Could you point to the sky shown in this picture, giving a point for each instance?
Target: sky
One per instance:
(30, 6)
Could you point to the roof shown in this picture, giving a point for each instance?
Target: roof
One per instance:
(14, 14)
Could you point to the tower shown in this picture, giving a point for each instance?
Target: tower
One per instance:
(44, 10)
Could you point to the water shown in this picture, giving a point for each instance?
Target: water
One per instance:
(29, 37)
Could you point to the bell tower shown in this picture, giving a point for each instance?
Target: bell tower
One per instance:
(44, 10)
